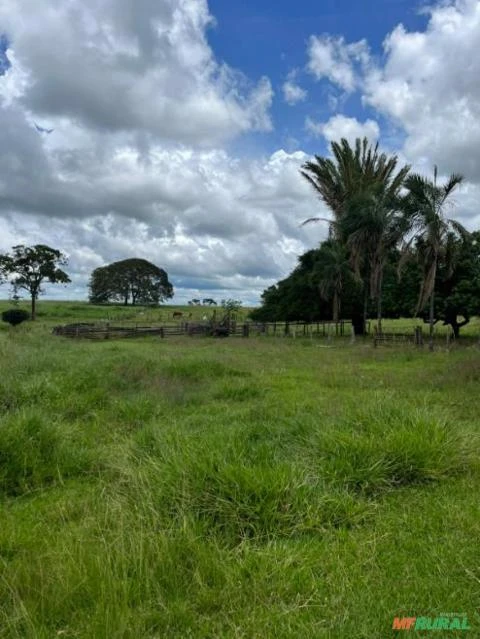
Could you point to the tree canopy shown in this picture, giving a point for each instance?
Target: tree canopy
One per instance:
(28, 267)
(133, 281)
(384, 223)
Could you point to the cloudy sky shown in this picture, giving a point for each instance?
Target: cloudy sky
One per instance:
(178, 127)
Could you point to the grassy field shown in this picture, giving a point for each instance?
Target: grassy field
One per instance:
(193, 487)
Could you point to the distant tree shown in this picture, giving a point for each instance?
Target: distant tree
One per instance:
(134, 281)
(15, 316)
(231, 305)
(28, 267)
(208, 301)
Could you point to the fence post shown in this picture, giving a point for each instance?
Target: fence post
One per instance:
(246, 330)
(352, 338)
(418, 336)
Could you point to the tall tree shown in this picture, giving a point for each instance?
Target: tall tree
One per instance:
(352, 171)
(28, 267)
(360, 186)
(134, 280)
(373, 225)
(425, 206)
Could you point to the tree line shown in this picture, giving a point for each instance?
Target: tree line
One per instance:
(391, 249)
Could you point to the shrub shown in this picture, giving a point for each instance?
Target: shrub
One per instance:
(15, 316)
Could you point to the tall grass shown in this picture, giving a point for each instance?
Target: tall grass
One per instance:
(257, 488)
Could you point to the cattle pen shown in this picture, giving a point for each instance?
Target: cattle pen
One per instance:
(101, 331)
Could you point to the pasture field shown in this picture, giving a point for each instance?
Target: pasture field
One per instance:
(237, 488)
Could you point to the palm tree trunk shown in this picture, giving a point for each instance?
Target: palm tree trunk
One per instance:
(431, 320)
(335, 307)
(379, 303)
(365, 309)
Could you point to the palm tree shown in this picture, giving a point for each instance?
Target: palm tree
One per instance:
(361, 189)
(373, 226)
(330, 272)
(431, 230)
(350, 172)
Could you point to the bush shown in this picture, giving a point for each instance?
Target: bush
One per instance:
(15, 316)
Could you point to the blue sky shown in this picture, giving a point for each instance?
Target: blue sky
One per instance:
(179, 128)
(267, 37)
(4, 61)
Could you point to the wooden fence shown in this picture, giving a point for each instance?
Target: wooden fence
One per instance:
(239, 329)
(415, 337)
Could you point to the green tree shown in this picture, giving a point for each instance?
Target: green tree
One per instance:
(457, 292)
(330, 272)
(425, 206)
(298, 296)
(28, 267)
(360, 186)
(351, 172)
(134, 281)
(373, 225)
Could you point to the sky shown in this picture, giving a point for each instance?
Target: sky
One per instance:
(175, 130)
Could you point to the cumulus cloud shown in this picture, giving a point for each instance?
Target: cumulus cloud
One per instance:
(340, 126)
(136, 164)
(338, 61)
(124, 65)
(293, 92)
(429, 87)
(208, 218)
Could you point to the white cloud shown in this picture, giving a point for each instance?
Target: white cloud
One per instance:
(332, 58)
(135, 166)
(429, 85)
(340, 126)
(292, 92)
(121, 65)
(212, 220)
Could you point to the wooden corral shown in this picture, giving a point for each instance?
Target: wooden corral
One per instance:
(232, 328)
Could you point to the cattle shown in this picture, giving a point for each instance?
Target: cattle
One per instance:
(177, 315)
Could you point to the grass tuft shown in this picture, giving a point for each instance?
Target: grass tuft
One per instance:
(387, 446)
(35, 452)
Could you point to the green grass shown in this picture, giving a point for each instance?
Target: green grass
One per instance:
(50, 312)
(233, 488)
